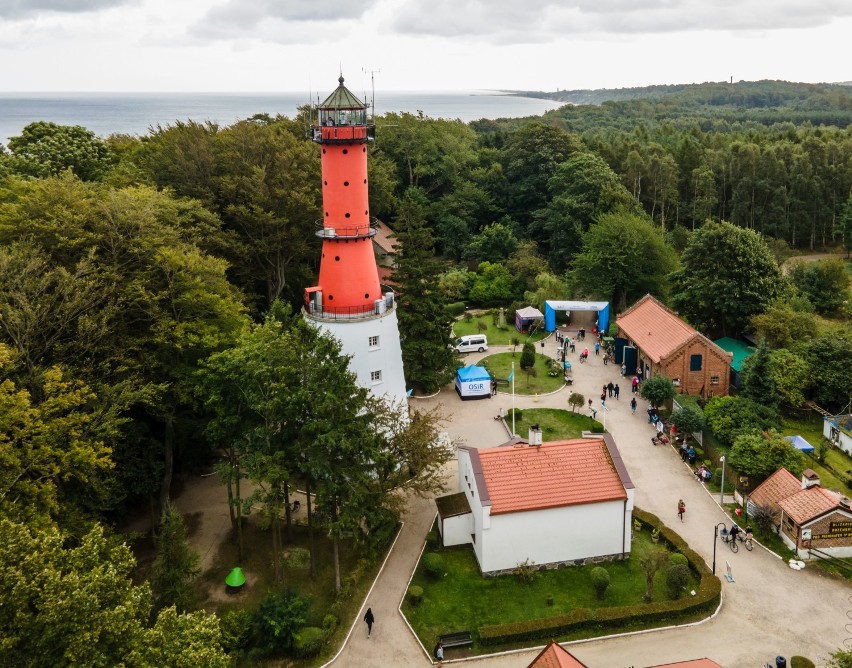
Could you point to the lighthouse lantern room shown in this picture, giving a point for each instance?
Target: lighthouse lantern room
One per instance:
(348, 300)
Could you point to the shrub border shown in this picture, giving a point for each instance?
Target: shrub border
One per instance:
(707, 598)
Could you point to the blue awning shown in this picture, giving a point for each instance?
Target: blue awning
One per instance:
(800, 444)
(472, 372)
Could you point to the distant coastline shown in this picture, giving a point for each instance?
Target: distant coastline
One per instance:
(134, 113)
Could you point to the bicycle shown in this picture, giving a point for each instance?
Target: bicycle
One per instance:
(726, 538)
(747, 541)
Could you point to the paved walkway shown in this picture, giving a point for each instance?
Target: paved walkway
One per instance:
(769, 610)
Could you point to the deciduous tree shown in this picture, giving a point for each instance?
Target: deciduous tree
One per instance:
(727, 276)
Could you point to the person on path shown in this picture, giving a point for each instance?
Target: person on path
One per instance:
(690, 455)
(635, 383)
(633, 405)
(590, 402)
(615, 391)
(597, 349)
(684, 449)
(681, 509)
(660, 427)
(623, 369)
(610, 388)
(573, 345)
(370, 620)
(439, 653)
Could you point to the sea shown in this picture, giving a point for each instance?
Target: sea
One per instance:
(136, 113)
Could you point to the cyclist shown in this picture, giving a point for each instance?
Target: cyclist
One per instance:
(732, 534)
(748, 536)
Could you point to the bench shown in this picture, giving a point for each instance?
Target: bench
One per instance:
(457, 639)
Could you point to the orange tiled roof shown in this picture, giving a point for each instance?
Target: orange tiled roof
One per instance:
(658, 331)
(807, 504)
(560, 473)
(555, 656)
(383, 238)
(780, 485)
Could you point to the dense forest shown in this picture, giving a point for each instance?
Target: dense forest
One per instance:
(145, 282)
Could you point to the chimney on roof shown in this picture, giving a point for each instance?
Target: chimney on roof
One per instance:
(810, 478)
(844, 502)
(535, 435)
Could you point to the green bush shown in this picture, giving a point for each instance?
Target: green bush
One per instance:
(235, 626)
(600, 581)
(455, 309)
(329, 623)
(432, 540)
(415, 594)
(676, 558)
(549, 600)
(433, 565)
(277, 621)
(309, 641)
(677, 577)
(801, 662)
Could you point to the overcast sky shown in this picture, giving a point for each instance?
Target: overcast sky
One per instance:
(297, 45)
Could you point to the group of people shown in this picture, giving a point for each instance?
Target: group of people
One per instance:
(687, 453)
(702, 473)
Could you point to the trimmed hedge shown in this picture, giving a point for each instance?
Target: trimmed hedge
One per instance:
(455, 309)
(706, 599)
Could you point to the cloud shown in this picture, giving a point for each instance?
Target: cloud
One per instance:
(24, 9)
(273, 20)
(546, 20)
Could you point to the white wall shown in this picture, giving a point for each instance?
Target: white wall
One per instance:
(478, 514)
(844, 442)
(354, 336)
(554, 534)
(456, 530)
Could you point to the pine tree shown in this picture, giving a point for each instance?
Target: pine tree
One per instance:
(424, 323)
(176, 565)
(758, 379)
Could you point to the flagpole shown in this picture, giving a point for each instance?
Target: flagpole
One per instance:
(513, 399)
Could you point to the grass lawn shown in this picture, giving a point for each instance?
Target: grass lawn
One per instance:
(811, 431)
(464, 600)
(500, 366)
(555, 423)
(496, 337)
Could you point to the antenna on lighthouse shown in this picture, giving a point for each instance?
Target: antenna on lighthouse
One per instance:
(372, 74)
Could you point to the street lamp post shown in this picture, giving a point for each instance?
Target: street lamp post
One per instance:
(722, 491)
(715, 537)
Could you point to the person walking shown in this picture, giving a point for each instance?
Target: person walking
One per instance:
(615, 391)
(623, 369)
(610, 388)
(370, 620)
(633, 405)
(439, 653)
(635, 383)
(681, 509)
(597, 349)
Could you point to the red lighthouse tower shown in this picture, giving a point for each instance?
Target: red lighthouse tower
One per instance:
(348, 300)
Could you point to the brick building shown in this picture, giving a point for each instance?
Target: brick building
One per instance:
(807, 515)
(666, 345)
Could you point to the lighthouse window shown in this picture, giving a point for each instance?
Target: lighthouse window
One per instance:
(346, 183)
(330, 297)
(336, 258)
(366, 295)
(364, 149)
(347, 215)
(365, 180)
(345, 151)
(376, 376)
(374, 342)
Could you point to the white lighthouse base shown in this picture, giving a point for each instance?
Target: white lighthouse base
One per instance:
(375, 350)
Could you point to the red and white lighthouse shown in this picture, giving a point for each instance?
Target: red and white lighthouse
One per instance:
(348, 300)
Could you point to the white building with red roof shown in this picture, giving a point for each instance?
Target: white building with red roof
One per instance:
(562, 502)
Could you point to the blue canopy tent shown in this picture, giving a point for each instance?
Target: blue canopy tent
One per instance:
(551, 307)
(473, 382)
(800, 444)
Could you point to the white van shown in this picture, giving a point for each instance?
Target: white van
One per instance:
(472, 343)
